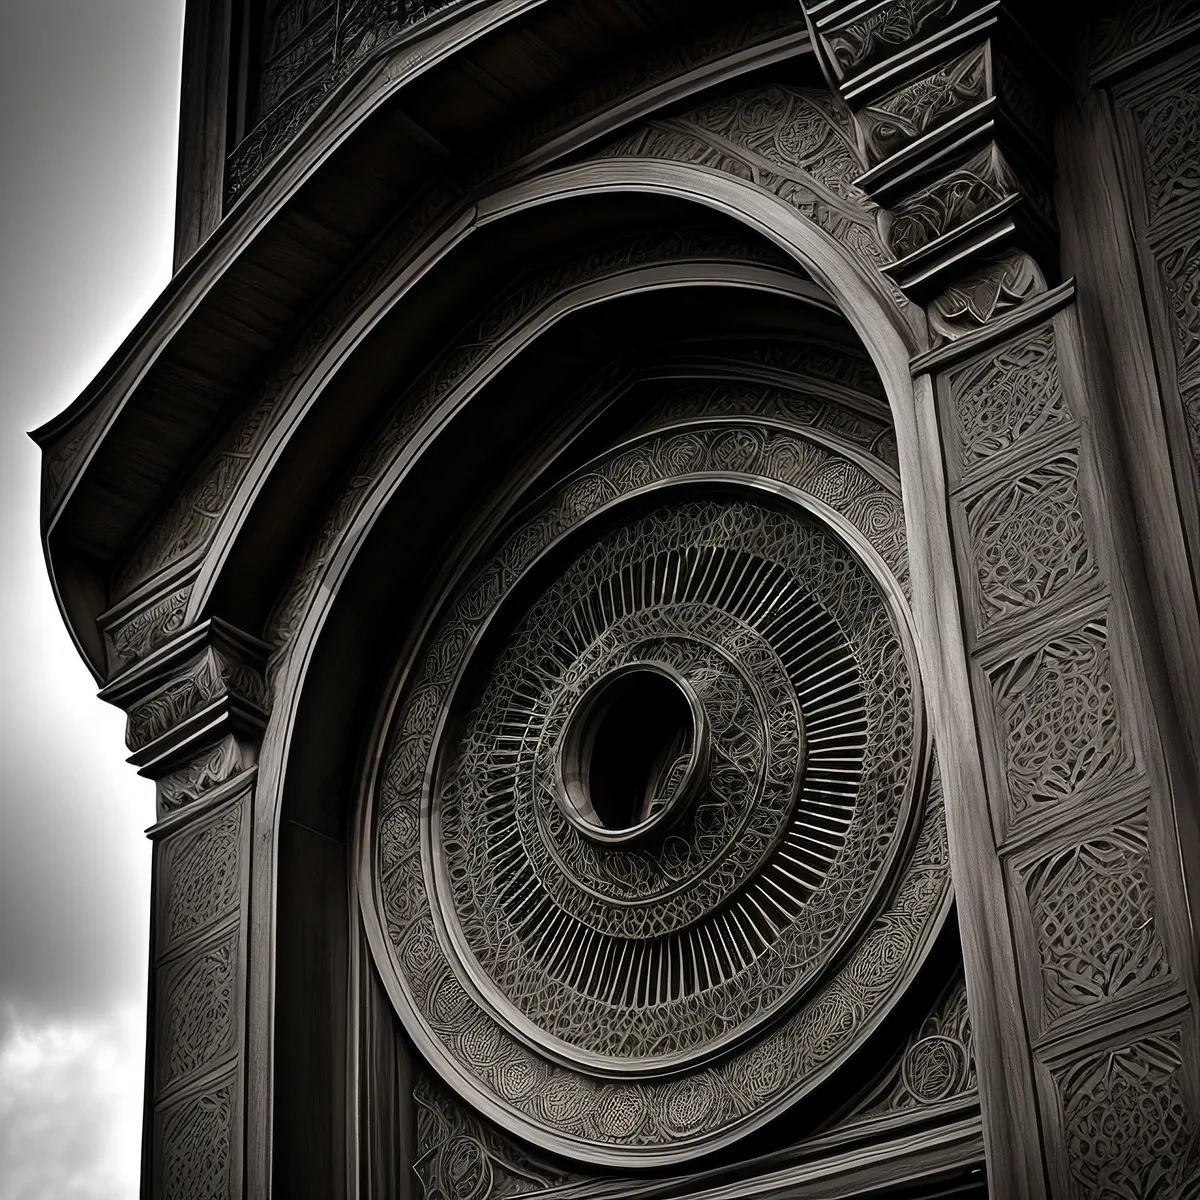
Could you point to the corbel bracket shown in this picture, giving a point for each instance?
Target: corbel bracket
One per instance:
(201, 688)
(951, 103)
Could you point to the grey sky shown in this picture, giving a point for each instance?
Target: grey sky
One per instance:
(88, 115)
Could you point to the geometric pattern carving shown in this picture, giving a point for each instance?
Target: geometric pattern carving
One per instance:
(196, 511)
(1092, 905)
(546, 984)
(1130, 1131)
(1181, 275)
(200, 873)
(1167, 120)
(196, 1010)
(1179, 270)
(1059, 718)
(1010, 395)
(938, 1063)
(195, 1146)
(459, 1158)
(1029, 537)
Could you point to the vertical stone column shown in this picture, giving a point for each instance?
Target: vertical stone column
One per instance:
(195, 711)
(1075, 794)
(1060, 801)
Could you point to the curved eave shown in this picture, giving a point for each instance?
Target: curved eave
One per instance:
(113, 458)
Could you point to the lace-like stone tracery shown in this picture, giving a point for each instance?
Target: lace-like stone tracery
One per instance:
(675, 945)
(649, 995)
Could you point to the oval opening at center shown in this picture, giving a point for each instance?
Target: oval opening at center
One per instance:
(636, 748)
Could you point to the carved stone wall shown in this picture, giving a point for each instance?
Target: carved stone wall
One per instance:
(1088, 882)
(197, 1004)
(1157, 115)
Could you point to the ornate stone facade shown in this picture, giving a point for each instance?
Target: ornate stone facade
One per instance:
(658, 595)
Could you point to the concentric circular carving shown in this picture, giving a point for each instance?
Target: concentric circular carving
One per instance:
(650, 853)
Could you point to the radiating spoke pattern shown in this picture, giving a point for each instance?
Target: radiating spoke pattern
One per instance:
(654, 842)
(616, 950)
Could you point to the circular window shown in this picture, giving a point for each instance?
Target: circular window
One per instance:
(633, 754)
(650, 853)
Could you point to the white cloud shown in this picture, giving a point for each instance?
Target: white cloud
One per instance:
(71, 1108)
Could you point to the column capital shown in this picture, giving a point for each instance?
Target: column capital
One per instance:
(951, 101)
(191, 697)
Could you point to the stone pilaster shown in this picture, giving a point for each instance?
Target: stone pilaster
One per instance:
(1074, 795)
(1060, 802)
(196, 708)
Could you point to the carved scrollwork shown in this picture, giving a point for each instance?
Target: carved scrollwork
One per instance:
(1167, 120)
(937, 1063)
(195, 1145)
(1092, 905)
(924, 81)
(1179, 272)
(459, 1158)
(196, 1021)
(581, 956)
(1059, 717)
(1130, 1128)
(1008, 397)
(956, 197)
(993, 288)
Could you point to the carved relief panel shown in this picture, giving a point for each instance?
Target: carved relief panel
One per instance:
(656, 838)
(1157, 114)
(1087, 864)
(201, 868)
